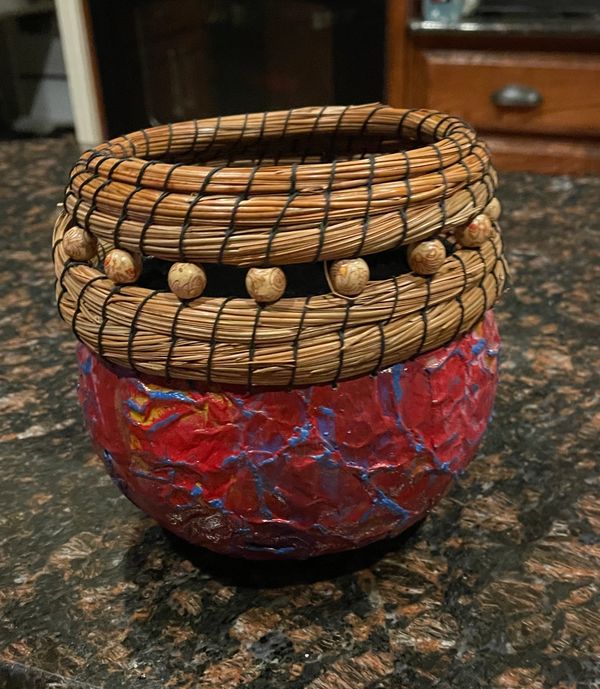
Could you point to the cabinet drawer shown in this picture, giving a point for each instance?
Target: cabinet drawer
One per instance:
(563, 89)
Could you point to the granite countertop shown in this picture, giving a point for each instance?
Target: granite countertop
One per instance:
(499, 587)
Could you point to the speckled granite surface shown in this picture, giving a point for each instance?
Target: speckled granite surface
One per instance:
(500, 587)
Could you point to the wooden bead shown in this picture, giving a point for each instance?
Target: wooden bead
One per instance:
(265, 285)
(122, 267)
(426, 258)
(349, 276)
(475, 233)
(187, 280)
(493, 209)
(79, 244)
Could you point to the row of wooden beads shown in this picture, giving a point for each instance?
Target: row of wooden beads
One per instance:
(427, 257)
(264, 285)
(347, 277)
(188, 280)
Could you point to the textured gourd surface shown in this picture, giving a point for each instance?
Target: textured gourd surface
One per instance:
(294, 473)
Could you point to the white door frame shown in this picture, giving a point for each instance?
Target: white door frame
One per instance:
(79, 57)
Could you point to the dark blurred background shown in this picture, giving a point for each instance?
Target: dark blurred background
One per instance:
(526, 73)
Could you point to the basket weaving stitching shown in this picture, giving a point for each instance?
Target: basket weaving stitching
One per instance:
(262, 194)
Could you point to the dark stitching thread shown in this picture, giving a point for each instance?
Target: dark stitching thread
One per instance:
(342, 337)
(182, 305)
(292, 195)
(311, 134)
(367, 216)
(325, 221)
(424, 314)
(252, 348)
(212, 342)
(188, 215)
(279, 149)
(79, 301)
(104, 316)
(296, 343)
(133, 327)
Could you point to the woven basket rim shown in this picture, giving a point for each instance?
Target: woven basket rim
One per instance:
(272, 189)
(276, 215)
(408, 120)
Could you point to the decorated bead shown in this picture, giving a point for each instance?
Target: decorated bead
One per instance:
(476, 232)
(187, 280)
(349, 276)
(122, 267)
(265, 285)
(79, 244)
(426, 258)
(493, 209)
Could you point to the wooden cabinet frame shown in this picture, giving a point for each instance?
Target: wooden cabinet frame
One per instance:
(566, 149)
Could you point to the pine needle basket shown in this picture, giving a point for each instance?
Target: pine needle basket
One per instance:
(303, 186)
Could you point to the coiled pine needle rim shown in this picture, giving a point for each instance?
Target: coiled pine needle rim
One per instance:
(276, 188)
(280, 214)
(451, 139)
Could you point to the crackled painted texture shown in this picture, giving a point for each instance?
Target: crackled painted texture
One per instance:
(294, 473)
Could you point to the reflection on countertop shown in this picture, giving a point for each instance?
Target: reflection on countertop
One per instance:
(498, 588)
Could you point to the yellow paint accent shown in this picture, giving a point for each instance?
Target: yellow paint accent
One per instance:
(140, 401)
(155, 412)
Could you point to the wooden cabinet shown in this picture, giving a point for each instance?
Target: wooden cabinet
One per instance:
(567, 88)
(536, 98)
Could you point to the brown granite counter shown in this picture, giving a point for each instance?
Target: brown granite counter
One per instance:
(500, 587)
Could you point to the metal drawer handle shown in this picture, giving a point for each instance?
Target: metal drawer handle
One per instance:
(516, 96)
